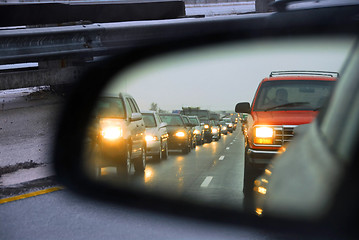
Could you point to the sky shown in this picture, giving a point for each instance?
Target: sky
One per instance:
(216, 78)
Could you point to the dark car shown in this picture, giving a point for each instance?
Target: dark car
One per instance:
(190, 126)
(117, 134)
(229, 123)
(179, 135)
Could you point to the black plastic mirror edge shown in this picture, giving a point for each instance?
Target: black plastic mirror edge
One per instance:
(68, 142)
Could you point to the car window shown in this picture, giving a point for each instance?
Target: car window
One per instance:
(110, 107)
(149, 120)
(137, 109)
(128, 107)
(172, 120)
(132, 106)
(194, 121)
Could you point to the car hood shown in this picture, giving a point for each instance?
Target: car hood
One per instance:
(284, 117)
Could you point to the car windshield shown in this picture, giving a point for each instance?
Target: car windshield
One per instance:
(149, 120)
(194, 120)
(110, 108)
(293, 95)
(172, 120)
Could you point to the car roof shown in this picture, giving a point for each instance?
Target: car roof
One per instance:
(149, 112)
(306, 77)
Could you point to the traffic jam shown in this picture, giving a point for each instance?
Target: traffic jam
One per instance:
(203, 154)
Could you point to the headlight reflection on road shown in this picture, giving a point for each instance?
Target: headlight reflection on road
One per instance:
(148, 174)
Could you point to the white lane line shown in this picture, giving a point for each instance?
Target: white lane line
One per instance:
(221, 158)
(207, 181)
(231, 143)
(227, 148)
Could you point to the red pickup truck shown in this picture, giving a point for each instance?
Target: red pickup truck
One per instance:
(282, 101)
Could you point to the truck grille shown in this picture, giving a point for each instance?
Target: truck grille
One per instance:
(283, 134)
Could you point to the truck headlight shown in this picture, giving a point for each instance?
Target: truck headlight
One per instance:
(180, 134)
(263, 135)
(111, 133)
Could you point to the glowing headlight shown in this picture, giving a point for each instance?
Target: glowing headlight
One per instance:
(263, 135)
(206, 126)
(264, 132)
(214, 130)
(150, 138)
(111, 133)
(224, 128)
(230, 125)
(196, 131)
(180, 134)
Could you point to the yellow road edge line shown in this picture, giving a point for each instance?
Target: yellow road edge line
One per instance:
(32, 194)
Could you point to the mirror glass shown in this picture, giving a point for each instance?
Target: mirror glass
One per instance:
(206, 83)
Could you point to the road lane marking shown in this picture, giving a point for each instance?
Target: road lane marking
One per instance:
(221, 158)
(227, 148)
(207, 181)
(32, 194)
(231, 143)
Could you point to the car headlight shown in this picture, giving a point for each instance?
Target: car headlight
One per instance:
(196, 131)
(230, 125)
(150, 138)
(206, 126)
(180, 134)
(111, 133)
(224, 128)
(263, 135)
(214, 130)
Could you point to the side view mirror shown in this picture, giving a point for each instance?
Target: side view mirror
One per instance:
(135, 117)
(243, 107)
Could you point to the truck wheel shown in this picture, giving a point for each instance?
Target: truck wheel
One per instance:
(140, 162)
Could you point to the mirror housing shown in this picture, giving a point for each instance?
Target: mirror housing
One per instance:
(243, 107)
(135, 117)
(72, 127)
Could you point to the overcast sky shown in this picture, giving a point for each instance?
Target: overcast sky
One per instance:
(218, 78)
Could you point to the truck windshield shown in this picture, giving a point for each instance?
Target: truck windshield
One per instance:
(282, 95)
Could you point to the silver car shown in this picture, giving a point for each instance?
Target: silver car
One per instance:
(198, 131)
(156, 135)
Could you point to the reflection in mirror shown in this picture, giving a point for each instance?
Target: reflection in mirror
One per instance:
(202, 161)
